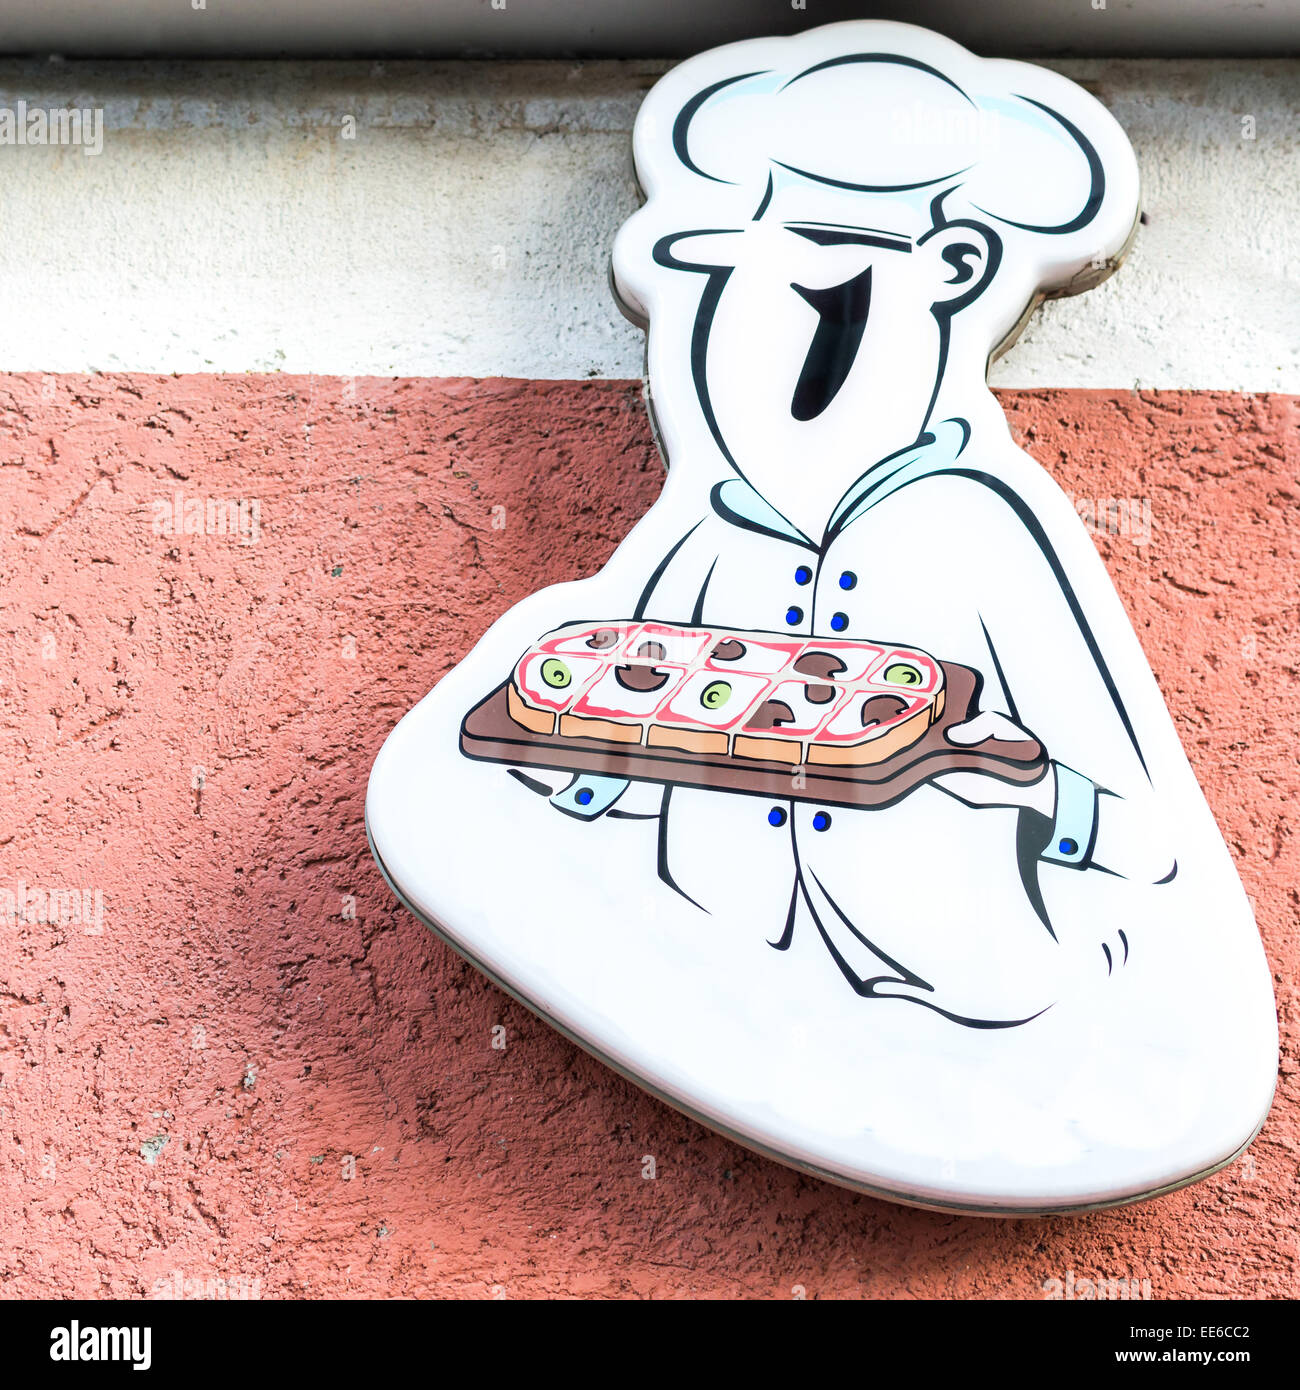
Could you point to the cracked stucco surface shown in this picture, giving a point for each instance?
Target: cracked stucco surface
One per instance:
(263, 1070)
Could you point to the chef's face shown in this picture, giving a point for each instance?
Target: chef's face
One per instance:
(824, 349)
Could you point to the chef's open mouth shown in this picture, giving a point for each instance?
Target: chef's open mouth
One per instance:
(842, 319)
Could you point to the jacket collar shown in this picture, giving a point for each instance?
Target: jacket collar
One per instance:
(736, 501)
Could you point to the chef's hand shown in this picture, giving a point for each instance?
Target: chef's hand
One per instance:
(982, 788)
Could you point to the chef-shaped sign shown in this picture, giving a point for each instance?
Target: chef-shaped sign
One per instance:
(840, 808)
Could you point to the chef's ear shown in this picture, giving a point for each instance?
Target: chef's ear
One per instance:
(965, 257)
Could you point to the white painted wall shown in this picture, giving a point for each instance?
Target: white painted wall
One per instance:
(229, 225)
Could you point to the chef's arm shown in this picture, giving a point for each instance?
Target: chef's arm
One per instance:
(588, 796)
(1095, 809)
(1088, 827)
(1073, 820)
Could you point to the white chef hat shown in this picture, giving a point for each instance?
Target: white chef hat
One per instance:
(890, 115)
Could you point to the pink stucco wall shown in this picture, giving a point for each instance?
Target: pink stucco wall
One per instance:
(231, 1077)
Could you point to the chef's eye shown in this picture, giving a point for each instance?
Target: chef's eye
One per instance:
(715, 695)
(853, 236)
(555, 673)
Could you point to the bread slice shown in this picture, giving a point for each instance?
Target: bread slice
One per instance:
(875, 746)
(771, 749)
(537, 721)
(707, 743)
(612, 731)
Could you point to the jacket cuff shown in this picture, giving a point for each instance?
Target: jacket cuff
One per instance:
(1074, 823)
(589, 795)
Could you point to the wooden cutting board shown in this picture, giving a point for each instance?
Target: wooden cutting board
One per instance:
(489, 733)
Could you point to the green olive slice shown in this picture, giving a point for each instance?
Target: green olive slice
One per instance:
(555, 673)
(902, 673)
(715, 694)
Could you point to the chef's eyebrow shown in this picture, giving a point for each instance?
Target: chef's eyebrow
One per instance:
(838, 234)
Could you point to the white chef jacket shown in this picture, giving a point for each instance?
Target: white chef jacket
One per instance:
(978, 912)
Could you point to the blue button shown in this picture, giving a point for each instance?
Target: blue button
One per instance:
(583, 798)
(803, 575)
(839, 622)
(776, 816)
(848, 580)
(821, 821)
(794, 616)
(1068, 847)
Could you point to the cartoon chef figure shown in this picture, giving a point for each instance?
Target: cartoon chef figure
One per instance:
(1051, 983)
(863, 231)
